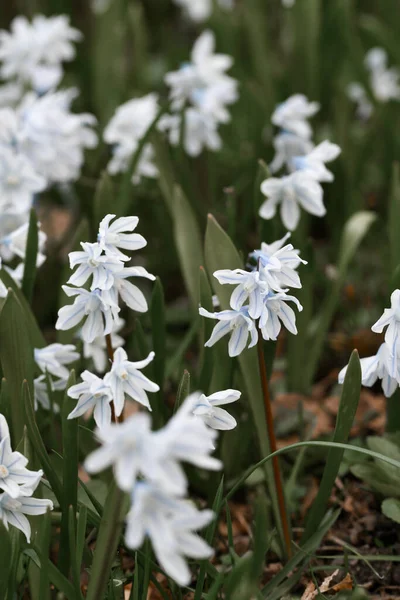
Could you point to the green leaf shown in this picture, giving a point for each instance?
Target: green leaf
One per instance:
(220, 253)
(43, 541)
(183, 390)
(345, 418)
(32, 246)
(391, 509)
(6, 562)
(16, 356)
(70, 477)
(158, 332)
(103, 197)
(56, 577)
(354, 231)
(81, 535)
(107, 543)
(394, 218)
(206, 360)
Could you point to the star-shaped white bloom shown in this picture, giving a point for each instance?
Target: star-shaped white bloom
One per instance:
(277, 311)
(130, 293)
(92, 263)
(52, 358)
(200, 131)
(292, 115)
(292, 192)
(170, 523)
(13, 510)
(250, 287)
(383, 365)
(385, 82)
(92, 395)
(287, 145)
(238, 324)
(207, 408)
(278, 264)
(97, 308)
(391, 320)
(125, 378)
(15, 479)
(18, 182)
(313, 163)
(116, 235)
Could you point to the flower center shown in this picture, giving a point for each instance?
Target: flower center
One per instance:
(3, 472)
(93, 263)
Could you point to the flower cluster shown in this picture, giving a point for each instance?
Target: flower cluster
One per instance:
(124, 132)
(305, 163)
(260, 294)
(385, 365)
(147, 465)
(384, 83)
(200, 91)
(17, 485)
(201, 10)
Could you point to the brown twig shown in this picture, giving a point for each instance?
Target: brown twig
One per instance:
(272, 440)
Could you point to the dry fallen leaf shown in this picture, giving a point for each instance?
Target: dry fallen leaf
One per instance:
(311, 592)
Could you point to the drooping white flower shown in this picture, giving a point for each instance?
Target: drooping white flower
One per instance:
(313, 163)
(97, 350)
(200, 131)
(391, 320)
(18, 182)
(116, 235)
(276, 312)
(288, 145)
(125, 378)
(54, 357)
(41, 392)
(130, 293)
(249, 287)
(292, 115)
(92, 395)
(33, 52)
(15, 478)
(170, 523)
(208, 408)
(292, 192)
(383, 365)
(125, 130)
(278, 263)
(97, 308)
(92, 263)
(385, 83)
(238, 324)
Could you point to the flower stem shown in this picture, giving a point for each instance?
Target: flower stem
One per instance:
(110, 352)
(272, 440)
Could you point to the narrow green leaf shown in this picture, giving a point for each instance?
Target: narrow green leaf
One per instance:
(16, 356)
(81, 535)
(391, 509)
(354, 232)
(57, 578)
(394, 218)
(75, 567)
(345, 418)
(32, 246)
(206, 360)
(38, 445)
(107, 543)
(43, 542)
(103, 197)
(158, 329)
(183, 390)
(70, 477)
(5, 563)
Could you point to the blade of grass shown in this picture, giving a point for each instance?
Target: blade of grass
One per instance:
(32, 246)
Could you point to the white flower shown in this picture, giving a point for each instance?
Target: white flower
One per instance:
(97, 350)
(357, 93)
(170, 524)
(34, 48)
(278, 263)
(92, 394)
(10, 94)
(41, 395)
(15, 479)
(13, 510)
(292, 115)
(200, 10)
(207, 408)
(200, 131)
(250, 287)
(52, 359)
(113, 236)
(126, 378)
(238, 324)
(313, 163)
(277, 311)
(91, 306)
(384, 82)
(18, 182)
(291, 192)
(133, 449)
(382, 366)
(14, 241)
(288, 145)
(391, 320)
(130, 293)
(92, 263)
